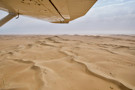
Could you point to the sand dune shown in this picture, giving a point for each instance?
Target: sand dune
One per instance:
(67, 62)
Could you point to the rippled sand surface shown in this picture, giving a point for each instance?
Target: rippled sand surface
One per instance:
(67, 62)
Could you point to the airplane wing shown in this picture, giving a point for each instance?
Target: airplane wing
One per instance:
(55, 11)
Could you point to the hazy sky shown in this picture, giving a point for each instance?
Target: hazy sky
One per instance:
(105, 17)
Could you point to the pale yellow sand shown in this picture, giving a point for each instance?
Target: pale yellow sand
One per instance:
(67, 62)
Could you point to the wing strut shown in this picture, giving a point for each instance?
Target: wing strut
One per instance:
(7, 18)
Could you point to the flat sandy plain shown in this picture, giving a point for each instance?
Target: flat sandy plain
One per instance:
(67, 62)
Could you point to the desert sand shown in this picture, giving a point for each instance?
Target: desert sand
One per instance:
(67, 62)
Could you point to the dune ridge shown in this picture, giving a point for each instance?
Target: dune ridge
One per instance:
(121, 84)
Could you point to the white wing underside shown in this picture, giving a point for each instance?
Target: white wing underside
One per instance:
(56, 11)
